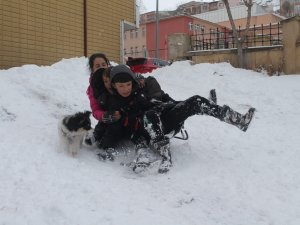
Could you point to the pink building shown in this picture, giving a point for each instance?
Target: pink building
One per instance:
(177, 24)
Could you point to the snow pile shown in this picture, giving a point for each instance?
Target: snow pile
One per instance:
(221, 175)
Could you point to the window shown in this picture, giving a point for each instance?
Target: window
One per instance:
(131, 50)
(136, 50)
(143, 31)
(136, 33)
(125, 52)
(190, 26)
(131, 34)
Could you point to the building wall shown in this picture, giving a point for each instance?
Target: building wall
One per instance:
(235, 2)
(255, 20)
(135, 42)
(270, 59)
(104, 18)
(291, 43)
(179, 24)
(178, 46)
(43, 32)
(237, 13)
(283, 58)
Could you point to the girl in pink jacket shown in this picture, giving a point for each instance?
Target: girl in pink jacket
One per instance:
(96, 61)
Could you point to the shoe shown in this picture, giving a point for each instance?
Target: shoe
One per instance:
(212, 96)
(163, 148)
(142, 161)
(230, 116)
(247, 119)
(106, 154)
(165, 165)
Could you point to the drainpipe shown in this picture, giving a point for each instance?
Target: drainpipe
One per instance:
(156, 33)
(85, 28)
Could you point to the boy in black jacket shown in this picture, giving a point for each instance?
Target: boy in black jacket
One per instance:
(153, 116)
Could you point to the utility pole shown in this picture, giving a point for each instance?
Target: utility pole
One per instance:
(156, 42)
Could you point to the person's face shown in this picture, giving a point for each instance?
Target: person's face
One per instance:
(99, 63)
(106, 82)
(124, 89)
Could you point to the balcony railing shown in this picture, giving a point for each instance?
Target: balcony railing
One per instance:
(222, 38)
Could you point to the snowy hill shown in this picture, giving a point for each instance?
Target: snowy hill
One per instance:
(221, 175)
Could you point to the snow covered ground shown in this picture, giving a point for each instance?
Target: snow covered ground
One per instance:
(221, 175)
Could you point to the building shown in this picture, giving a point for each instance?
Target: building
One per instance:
(44, 32)
(257, 20)
(151, 16)
(238, 12)
(135, 42)
(197, 7)
(177, 24)
(192, 8)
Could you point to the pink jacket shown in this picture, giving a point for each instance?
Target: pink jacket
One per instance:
(96, 109)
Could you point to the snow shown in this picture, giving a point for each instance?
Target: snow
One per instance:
(220, 176)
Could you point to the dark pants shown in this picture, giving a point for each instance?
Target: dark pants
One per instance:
(99, 131)
(171, 120)
(108, 135)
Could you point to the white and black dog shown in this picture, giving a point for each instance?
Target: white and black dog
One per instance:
(72, 130)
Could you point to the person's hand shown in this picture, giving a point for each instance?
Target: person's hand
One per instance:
(111, 116)
(117, 115)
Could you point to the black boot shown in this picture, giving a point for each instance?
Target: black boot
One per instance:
(230, 116)
(106, 154)
(159, 143)
(212, 96)
(163, 148)
(142, 160)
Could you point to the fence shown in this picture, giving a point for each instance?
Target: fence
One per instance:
(222, 38)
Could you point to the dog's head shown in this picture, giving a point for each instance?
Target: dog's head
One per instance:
(78, 121)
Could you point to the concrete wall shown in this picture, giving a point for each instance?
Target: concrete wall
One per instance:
(178, 45)
(274, 59)
(215, 56)
(44, 32)
(291, 43)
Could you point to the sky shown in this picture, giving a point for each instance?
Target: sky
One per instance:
(150, 5)
(220, 175)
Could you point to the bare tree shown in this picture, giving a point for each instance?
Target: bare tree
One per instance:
(240, 40)
(141, 6)
(287, 8)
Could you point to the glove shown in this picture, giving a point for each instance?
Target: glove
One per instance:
(109, 117)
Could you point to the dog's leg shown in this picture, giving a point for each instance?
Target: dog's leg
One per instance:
(72, 146)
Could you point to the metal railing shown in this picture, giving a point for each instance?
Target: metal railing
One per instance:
(222, 38)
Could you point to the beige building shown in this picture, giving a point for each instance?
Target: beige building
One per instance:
(43, 32)
(135, 42)
(258, 20)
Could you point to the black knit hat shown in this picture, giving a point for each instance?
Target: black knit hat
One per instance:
(122, 78)
(121, 74)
